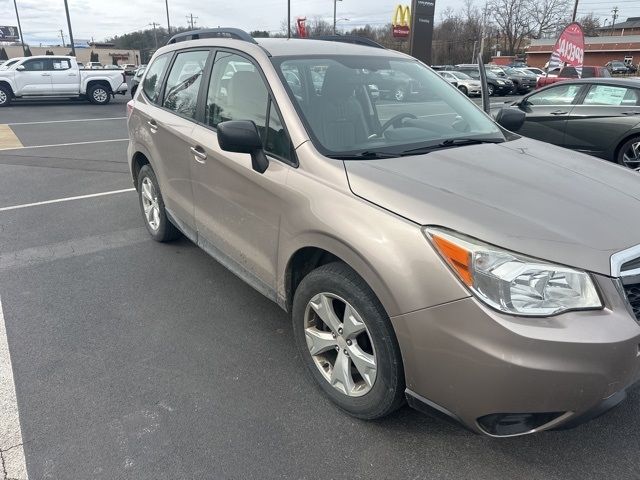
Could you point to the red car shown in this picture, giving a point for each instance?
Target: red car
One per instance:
(568, 73)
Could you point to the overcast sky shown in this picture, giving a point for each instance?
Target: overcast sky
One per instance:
(42, 19)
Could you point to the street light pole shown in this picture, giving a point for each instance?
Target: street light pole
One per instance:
(73, 47)
(168, 22)
(24, 50)
(288, 18)
(335, 11)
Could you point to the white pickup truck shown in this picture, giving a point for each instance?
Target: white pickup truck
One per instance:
(57, 76)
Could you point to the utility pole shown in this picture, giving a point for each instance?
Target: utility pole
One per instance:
(73, 47)
(335, 16)
(288, 18)
(166, 2)
(24, 50)
(575, 11)
(190, 21)
(613, 21)
(484, 31)
(155, 35)
(62, 36)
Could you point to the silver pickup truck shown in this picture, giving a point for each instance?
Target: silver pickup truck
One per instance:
(58, 76)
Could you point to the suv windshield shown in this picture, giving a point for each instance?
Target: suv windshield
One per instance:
(365, 107)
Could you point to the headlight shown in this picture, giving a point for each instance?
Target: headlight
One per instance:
(513, 283)
(500, 82)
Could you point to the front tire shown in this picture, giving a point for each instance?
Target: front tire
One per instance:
(464, 90)
(347, 341)
(629, 154)
(399, 95)
(152, 207)
(5, 96)
(491, 90)
(99, 94)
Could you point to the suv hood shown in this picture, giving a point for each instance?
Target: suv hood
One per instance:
(523, 195)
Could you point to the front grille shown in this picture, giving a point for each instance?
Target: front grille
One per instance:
(633, 295)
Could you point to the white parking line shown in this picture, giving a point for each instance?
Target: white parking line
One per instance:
(11, 449)
(66, 144)
(70, 121)
(66, 199)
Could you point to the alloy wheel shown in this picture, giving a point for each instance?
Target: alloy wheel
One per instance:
(340, 344)
(100, 95)
(399, 95)
(3, 97)
(631, 158)
(150, 204)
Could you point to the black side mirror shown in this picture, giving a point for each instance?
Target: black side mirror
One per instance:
(241, 136)
(511, 118)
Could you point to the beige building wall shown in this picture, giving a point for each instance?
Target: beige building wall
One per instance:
(83, 55)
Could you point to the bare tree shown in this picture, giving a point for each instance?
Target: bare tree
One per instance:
(549, 15)
(514, 20)
(590, 25)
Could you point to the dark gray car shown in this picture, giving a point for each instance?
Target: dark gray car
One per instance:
(598, 116)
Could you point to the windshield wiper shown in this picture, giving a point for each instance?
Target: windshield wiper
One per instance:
(452, 142)
(366, 155)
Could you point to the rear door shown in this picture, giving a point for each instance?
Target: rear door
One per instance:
(548, 111)
(35, 79)
(600, 121)
(64, 78)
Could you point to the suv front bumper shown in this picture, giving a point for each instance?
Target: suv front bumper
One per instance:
(487, 369)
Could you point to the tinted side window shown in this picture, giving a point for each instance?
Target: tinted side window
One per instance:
(183, 82)
(560, 95)
(153, 80)
(36, 65)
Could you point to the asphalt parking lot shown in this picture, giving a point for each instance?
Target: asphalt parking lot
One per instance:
(138, 360)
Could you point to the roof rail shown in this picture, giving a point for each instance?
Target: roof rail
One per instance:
(349, 39)
(235, 33)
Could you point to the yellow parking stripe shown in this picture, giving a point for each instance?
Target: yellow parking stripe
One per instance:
(8, 139)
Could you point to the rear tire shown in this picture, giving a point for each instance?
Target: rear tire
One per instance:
(363, 339)
(152, 207)
(5, 96)
(399, 94)
(99, 94)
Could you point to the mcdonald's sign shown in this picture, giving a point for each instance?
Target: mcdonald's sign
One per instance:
(401, 22)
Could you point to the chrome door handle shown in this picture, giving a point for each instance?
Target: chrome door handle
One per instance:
(72, 75)
(199, 155)
(559, 112)
(46, 74)
(153, 126)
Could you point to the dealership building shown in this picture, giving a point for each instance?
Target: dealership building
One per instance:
(105, 51)
(598, 50)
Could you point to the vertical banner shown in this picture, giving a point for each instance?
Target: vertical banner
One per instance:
(422, 13)
(302, 27)
(569, 49)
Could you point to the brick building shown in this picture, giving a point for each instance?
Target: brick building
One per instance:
(598, 50)
(105, 54)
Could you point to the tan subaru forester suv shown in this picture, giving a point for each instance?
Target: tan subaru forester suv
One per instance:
(425, 253)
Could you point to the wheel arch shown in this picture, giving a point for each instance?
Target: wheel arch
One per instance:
(8, 85)
(320, 250)
(103, 82)
(621, 142)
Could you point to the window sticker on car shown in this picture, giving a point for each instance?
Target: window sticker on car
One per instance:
(605, 95)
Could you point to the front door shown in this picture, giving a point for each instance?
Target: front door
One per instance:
(547, 113)
(64, 79)
(35, 79)
(237, 209)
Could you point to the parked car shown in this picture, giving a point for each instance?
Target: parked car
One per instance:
(436, 257)
(465, 83)
(567, 73)
(94, 66)
(137, 78)
(10, 62)
(538, 72)
(397, 85)
(632, 68)
(523, 82)
(129, 68)
(598, 116)
(617, 67)
(53, 76)
(495, 84)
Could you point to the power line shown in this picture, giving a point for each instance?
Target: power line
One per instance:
(191, 21)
